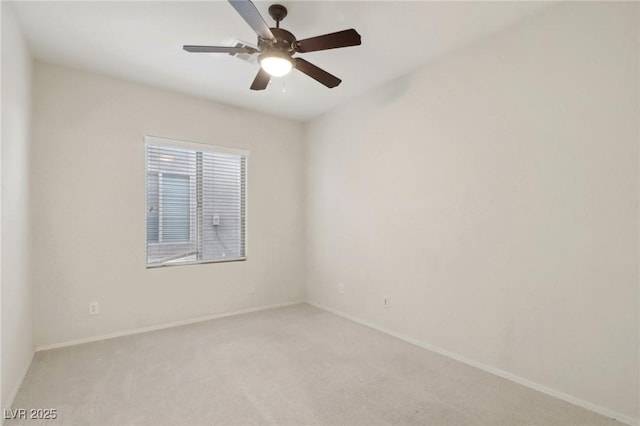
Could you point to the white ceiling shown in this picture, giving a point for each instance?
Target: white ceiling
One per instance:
(142, 41)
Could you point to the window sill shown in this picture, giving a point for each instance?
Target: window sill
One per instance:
(202, 262)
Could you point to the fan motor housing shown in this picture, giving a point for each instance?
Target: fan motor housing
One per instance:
(284, 41)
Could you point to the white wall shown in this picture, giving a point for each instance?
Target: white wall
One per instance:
(493, 196)
(88, 209)
(17, 342)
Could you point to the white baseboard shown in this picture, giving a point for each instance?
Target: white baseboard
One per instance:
(16, 388)
(506, 375)
(162, 326)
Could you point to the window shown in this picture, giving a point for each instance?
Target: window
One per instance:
(196, 202)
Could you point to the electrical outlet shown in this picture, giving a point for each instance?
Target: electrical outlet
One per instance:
(216, 220)
(386, 301)
(341, 288)
(94, 308)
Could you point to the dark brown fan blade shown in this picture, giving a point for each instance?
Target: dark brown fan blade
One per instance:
(250, 14)
(318, 74)
(329, 41)
(219, 49)
(261, 80)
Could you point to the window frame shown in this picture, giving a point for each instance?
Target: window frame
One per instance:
(195, 146)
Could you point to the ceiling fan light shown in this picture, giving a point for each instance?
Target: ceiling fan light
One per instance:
(276, 64)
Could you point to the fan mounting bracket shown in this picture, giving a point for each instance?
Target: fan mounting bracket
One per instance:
(278, 12)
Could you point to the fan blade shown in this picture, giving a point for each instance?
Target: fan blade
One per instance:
(318, 74)
(250, 14)
(329, 41)
(219, 49)
(261, 80)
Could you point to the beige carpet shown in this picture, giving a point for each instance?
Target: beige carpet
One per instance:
(291, 366)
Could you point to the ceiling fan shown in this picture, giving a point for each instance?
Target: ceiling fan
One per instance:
(277, 46)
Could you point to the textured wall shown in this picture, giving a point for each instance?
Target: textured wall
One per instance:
(89, 207)
(17, 341)
(493, 196)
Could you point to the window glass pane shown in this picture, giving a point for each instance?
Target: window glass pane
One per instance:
(222, 207)
(176, 223)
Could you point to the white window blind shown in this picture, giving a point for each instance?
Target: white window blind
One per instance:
(196, 203)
